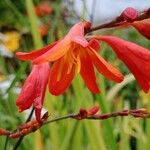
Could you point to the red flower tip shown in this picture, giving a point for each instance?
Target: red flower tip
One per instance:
(129, 14)
(93, 111)
(143, 27)
(33, 90)
(84, 113)
(136, 58)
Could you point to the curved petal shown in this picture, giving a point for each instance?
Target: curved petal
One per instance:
(143, 27)
(134, 56)
(33, 90)
(105, 68)
(55, 53)
(61, 75)
(25, 98)
(34, 54)
(93, 43)
(42, 75)
(77, 33)
(87, 72)
(144, 83)
(80, 40)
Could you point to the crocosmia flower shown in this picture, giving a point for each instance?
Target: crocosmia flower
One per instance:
(33, 90)
(134, 56)
(73, 53)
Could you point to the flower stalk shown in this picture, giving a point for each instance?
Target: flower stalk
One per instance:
(119, 21)
(90, 114)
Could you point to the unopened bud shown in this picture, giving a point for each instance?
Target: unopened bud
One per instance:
(129, 14)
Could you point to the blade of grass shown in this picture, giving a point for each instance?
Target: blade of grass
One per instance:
(95, 137)
(148, 125)
(34, 24)
(106, 124)
(77, 86)
(38, 139)
(55, 23)
(53, 128)
(14, 9)
(124, 143)
(78, 137)
(18, 74)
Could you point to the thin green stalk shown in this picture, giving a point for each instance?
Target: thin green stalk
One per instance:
(124, 143)
(84, 10)
(148, 125)
(125, 139)
(15, 11)
(20, 71)
(2, 64)
(55, 23)
(95, 137)
(34, 24)
(78, 137)
(106, 124)
(77, 86)
(53, 128)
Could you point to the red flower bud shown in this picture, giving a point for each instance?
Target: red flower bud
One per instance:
(129, 14)
(93, 110)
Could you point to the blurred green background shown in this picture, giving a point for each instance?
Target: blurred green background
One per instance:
(23, 28)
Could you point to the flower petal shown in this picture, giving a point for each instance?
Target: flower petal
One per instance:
(55, 52)
(42, 79)
(61, 75)
(134, 56)
(33, 90)
(105, 68)
(143, 27)
(94, 44)
(34, 54)
(77, 33)
(87, 72)
(25, 98)
(145, 84)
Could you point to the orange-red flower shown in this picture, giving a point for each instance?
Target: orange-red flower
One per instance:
(33, 90)
(134, 56)
(43, 9)
(73, 52)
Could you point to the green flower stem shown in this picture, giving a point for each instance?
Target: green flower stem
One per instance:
(107, 125)
(148, 125)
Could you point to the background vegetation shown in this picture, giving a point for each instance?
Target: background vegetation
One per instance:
(19, 22)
